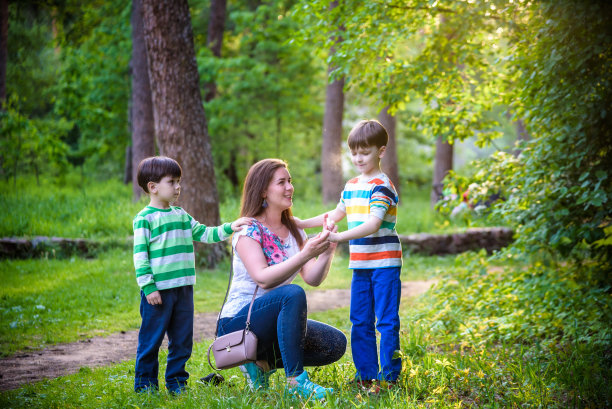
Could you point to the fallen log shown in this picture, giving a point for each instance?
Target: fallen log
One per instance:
(12, 247)
(474, 239)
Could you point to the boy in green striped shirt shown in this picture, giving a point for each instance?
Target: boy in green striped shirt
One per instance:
(165, 270)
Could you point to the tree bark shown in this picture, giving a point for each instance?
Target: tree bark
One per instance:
(3, 50)
(522, 135)
(141, 118)
(442, 164)
(214, 41)
(331, 154)
(180, 121)
(389, 161)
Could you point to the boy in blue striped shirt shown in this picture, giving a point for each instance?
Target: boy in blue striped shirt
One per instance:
(370, 203)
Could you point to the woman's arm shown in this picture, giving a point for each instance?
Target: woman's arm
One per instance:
(251, 254)
(315, 271)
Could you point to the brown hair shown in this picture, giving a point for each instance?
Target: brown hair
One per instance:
(154, 168)
(368, 133)
(256, 182)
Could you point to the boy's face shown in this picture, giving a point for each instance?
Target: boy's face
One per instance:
(167, 190)
(367, 160)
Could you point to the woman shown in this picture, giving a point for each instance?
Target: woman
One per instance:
(269, 254)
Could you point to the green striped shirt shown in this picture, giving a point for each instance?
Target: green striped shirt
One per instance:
(163, 247)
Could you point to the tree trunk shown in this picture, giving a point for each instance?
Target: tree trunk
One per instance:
(389, 161)
(214, 41)
(331, 154)
(141, 118)
(442, 164)
(522, 135)
(3, 50)
(180, 121)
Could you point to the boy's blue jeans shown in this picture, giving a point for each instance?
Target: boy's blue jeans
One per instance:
(285, 337)
(175, 317)
(375, 298)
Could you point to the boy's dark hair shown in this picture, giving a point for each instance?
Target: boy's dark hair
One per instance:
(154, 168)
(367, 133)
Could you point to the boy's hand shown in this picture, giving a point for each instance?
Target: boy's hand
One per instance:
(238, 224)
(154, 298)
(333, 241)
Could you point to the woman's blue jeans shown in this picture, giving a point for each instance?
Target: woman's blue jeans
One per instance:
(286, 338)
(173, 316)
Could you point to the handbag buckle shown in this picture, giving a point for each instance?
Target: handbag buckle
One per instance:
(228, 348)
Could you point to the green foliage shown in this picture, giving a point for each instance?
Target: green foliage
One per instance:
(267, 103)
(67, 86)
(518, 333)
(558, 190)
(30, 145)
(442, 54)
(93, 85)
(564, 183)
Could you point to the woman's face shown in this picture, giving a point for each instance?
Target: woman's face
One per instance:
(279, 193)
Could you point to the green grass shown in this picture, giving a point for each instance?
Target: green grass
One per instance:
(102, 210)
(481, 338)
(48, 301)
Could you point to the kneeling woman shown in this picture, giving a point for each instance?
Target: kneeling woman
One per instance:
(270, 253)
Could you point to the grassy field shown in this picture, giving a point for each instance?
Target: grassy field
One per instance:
(486, 336)
(104, 209)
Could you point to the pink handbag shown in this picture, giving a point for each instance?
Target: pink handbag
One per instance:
(235, 348)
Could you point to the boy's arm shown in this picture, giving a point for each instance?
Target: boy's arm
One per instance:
(370, 226)
(334, 216)
(142, 264)
(218, 233)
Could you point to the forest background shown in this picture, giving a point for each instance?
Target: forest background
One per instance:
(528, 82)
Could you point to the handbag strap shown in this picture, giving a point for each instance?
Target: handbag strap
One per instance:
(248, 320)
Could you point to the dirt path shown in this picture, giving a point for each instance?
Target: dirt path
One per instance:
(64, 359)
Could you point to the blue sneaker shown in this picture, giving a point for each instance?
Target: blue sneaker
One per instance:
(256, 378)
(307, 389)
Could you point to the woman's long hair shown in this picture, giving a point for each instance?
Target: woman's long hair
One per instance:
(255, 184)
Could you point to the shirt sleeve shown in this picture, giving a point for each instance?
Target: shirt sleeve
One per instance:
(381, 199)
(142, 263)
(341, 205)
(209, 234)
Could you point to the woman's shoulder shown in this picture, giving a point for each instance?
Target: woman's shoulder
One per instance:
(254, 231)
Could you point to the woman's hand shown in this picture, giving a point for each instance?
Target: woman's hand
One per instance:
(316, 245)
(333, 231)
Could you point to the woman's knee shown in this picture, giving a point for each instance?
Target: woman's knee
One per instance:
(295, 294)
(339, 343)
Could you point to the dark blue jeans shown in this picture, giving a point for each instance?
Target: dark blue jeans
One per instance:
(375, 299)
(286, 338)
(174, 317)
